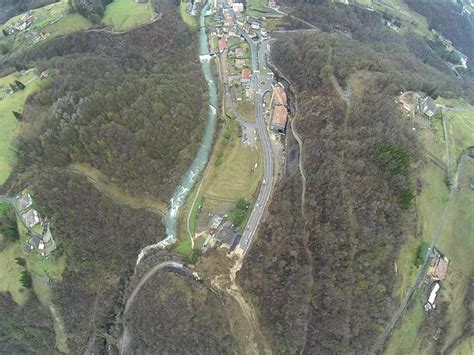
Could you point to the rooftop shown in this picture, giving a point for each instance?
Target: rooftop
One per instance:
(280, 116)
(279, 95)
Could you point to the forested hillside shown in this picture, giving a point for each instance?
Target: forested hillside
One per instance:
(132, 106)
(170, 304)
(25, 329)
(92, 9)
(447, 18)
(321, 273)
(10, 8)
(412, 60)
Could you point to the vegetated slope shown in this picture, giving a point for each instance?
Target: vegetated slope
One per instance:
(405, 52)
(446, 17)
(10, 8)
(25, 329)
(325, 283)
(133, 106)
(92, 9)
(174, 314)
(101, 241)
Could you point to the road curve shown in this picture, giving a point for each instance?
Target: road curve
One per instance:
(148, 275)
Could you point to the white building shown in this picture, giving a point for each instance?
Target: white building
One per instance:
(238, 7)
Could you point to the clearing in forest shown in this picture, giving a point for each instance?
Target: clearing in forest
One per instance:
(9, 125)
(125, 15)
(101, 183)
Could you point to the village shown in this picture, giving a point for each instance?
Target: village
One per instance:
(40, 239)
(241, 46)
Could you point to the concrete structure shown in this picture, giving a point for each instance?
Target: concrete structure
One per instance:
(31, 218)
(216, 221)
(238, 7)
(24, 202)
(434, 293)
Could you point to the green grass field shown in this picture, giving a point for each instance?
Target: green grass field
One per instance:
(247, 110)
(189, 20)
(9, 125)
(10, 273)
(411, 20)
(54, 19)
(457, 243)
(404, 337)
(465, 348)
(235, 177)
(39, 266)
(125, 15)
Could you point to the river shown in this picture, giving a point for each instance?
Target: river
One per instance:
(200, 160)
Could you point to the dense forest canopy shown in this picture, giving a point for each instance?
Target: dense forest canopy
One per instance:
(132, 106)
(171, 304)
(25, 329)
(321, 272)
(92, 9)
(323, 281)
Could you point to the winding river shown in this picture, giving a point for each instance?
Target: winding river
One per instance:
(202, 156)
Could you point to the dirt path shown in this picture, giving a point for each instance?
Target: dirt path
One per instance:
(381, 340)
(247, 311)
(300, 143)
(125, 340)
(113, 191)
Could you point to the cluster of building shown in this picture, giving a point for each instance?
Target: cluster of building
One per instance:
(21, 25)
(437, 273)
(411, 102)
(40, 239)
(221, 234)
(280, 111)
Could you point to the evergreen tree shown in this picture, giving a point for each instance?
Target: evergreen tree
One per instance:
(17, 115)
(19, 85)
(21, 261)
(25, 279)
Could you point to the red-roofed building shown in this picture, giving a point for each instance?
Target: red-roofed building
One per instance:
(246, 74)
(279, 119)
(222, 44)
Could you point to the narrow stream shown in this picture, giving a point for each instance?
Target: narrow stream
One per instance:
(202, 156)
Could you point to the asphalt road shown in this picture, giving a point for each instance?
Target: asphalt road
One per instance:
(261, 83)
